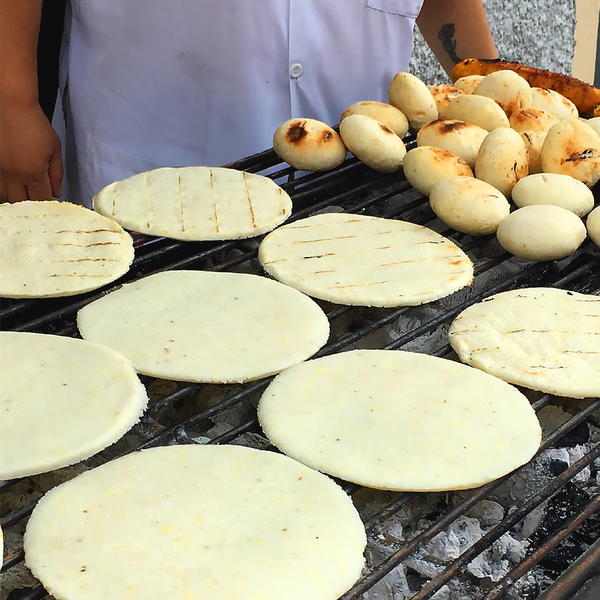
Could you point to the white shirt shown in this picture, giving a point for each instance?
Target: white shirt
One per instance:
(187, 82)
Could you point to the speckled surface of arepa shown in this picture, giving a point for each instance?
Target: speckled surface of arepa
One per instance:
(207, 327)
(399, 420)
(195, 203)
(191, 522)
(545, 339)
(62, 400)
(50, 249)
(365, 261)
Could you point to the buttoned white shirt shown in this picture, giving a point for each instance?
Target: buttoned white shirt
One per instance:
(150, 83)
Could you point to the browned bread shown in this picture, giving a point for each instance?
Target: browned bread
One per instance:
(584, 96)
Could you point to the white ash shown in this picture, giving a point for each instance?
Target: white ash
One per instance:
(448, 545)
(506, 552)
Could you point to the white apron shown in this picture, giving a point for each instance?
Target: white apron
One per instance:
(150, 83)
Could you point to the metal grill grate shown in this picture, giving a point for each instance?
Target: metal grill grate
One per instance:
(186, 412)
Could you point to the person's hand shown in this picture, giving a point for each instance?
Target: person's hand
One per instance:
(30, 160)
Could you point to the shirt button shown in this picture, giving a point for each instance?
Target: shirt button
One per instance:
(296, 70)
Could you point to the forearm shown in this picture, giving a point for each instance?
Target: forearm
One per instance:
(456, 29)
(19, 29)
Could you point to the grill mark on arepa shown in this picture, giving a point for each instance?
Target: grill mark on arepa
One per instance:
(249, 198)
(180, 202)
(343, 237)
(404, 262)
(212, 189)
(77, 275)
(319, 255)
(147, 200)
(70, 260)
(282, 200)
(366, 283)
(35, 216)
(86, 245)
(87, 231)
(461, 331)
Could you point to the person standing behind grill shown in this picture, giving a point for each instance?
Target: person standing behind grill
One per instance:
(146, 83)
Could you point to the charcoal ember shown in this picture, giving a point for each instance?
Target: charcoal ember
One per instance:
(487, 512)
(445, 547)
(575, 453)
(456, 590)
(528, 480)
(495, 562)
(530, 586)
(577, 436)
(551, 417)
(253, 440)
(24, 593)
(393, 586)
(532, 521)
(559, 508)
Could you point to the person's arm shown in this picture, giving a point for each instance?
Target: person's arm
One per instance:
(30, 160)
(455, 30)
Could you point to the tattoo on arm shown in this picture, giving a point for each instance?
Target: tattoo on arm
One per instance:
(446, 36)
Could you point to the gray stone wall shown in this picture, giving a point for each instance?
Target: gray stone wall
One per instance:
(540, 33)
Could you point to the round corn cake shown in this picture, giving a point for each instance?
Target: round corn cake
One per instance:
(62, 400)
(207, 327)
(187, 522)
(51, 248)
(398, 420)
(195, 203)
(545, 339)
(365, 261)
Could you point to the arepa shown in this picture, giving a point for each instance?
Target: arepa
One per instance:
(50, 249)
(206, 327)
(365, 261)
(63, 400)
(399, 420)
(183, 522)
(545, 339)
(195, 203)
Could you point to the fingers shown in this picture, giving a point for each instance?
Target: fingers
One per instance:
(55, 173)
(45, 188)
(41, 190)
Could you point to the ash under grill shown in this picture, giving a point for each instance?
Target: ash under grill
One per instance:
(531, 533)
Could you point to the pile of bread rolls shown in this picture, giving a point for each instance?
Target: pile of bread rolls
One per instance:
(481, 142)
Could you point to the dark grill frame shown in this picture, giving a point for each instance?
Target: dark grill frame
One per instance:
(357, 189)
